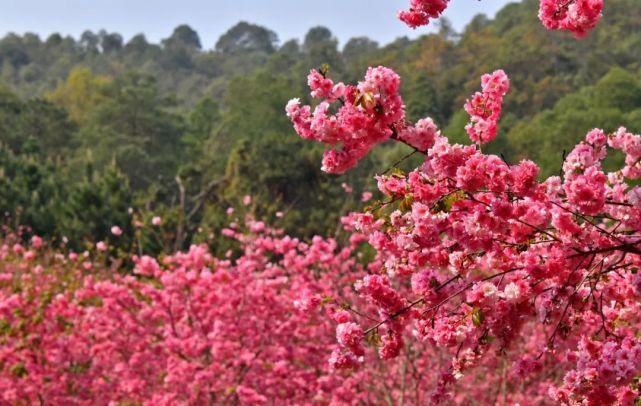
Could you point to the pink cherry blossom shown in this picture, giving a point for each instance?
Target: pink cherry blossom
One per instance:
(36, 242)
(368, 113)
(485, 107)
(421, 11)
(576, 16)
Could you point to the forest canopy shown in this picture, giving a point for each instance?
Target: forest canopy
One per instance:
(174, 129)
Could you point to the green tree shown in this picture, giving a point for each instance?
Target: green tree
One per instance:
(183, 36)
(134, 126)
(247, 37)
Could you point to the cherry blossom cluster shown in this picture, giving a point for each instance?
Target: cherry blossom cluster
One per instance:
(576, 16)
(601, 365)
(485, 107)
(353, 118)
(480, 260)
(421, 11)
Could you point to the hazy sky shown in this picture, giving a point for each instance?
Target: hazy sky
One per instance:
(289, 18)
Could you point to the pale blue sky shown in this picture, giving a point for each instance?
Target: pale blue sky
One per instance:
(289, 18)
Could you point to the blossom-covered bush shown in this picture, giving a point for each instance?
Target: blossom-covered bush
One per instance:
(254, 327)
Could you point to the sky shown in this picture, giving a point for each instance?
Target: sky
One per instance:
(210, 18)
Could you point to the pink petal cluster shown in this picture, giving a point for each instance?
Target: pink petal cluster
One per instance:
(602, 369)
(36, 242)
(421, 136)
(350, 336)
(576, 16)
(365, 114)
(485, 107)
(630, 145)
(117, 231)
(421, 11)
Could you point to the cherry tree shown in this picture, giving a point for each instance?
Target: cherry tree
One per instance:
(531, 283)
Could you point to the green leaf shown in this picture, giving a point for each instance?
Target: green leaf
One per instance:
(373, 339)
(324, 70)
(18, 370)
(406, 203)
(446, 203)
(477, 317)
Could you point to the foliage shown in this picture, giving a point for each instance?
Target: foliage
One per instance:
(172, 117)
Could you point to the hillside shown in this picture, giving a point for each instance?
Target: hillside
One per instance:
(96, 126)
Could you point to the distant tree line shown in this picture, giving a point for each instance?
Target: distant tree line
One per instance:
(97, 131)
